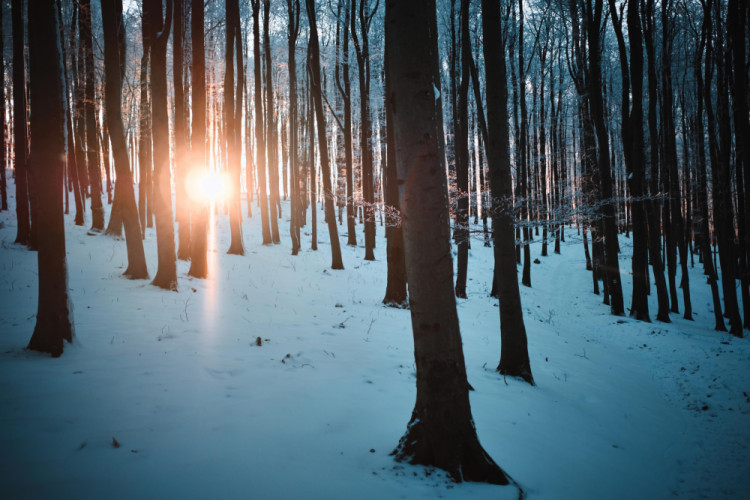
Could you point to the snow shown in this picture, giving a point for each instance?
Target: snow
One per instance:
(623, 409)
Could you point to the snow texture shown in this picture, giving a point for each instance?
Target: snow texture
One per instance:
(167, 394)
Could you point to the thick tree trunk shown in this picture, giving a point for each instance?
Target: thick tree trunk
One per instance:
(199, 218)
(441, 432)
(166, 274)
(395, 292)
(54, 322)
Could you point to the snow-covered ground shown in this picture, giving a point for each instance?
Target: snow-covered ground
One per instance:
(622, 409)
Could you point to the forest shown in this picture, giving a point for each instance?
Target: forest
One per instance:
(221, 219)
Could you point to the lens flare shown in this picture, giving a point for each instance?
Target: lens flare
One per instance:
(203, 187)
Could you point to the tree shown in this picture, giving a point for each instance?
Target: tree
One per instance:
(260, 144)
(343, 83)
(317, 93)
(199, 220)
(395, 292)
(181, 167)
(364, 15)
(632, 132)
(3, 180)
(233, 121)
(20, 146)
(95, 173)
(114, 69)
(461, 152)
(293, 9)
(514, 356)
(54, 322)
(441, 432)
(166, 273)
(271, 130)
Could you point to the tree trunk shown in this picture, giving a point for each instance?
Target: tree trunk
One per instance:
(20, 144)
(362, 49)
(514, 356)
(181, 166)
(293, 8)
(54, 322)
(114, 68)
(395, 292)
(316, 91)
(461, 152)
(271, 131)
(260, 144)
(95, 172)
(232, 122)
(199, 218)
(166, 273)
(441, 431)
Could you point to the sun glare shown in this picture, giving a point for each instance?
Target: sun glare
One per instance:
(206, 186)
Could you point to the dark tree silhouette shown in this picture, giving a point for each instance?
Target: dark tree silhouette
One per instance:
(166, 273)
(54, 322)
(114, 69)
(514, 355)
(441, 431)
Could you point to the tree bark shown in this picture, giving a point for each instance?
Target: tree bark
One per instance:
(54, 322)
(114, 69)
(514, 356)
(441, 431)
(20, 143)
(336, 261)
(199, 219)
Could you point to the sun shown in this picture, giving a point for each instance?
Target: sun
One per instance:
(206, 186)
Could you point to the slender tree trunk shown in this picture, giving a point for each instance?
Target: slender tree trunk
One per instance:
(3, 143)
(271, 130)
(461, 152)
(293, 8)
(336, 261)
(181, 155)
(232, 122)
(260, 143)
(95, 172)
(514, 356)
(72, 164)
(362, 49)
(54, 321)
(20, 145)
(114, 68)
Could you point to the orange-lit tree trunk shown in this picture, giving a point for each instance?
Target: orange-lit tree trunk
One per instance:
(199, 221)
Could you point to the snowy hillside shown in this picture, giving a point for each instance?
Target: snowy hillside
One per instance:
(169, 395)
